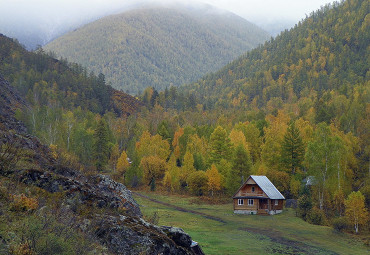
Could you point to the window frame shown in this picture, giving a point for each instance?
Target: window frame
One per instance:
(240, 201)
(250, 201)
(253, 189)
(276, 202)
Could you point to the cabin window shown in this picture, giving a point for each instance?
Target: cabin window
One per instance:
(240, 201)
(250, 201)
(253, 189)
(276, 202)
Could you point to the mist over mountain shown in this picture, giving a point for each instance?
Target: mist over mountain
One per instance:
(159, 46)
(35, 23)
(38, 22)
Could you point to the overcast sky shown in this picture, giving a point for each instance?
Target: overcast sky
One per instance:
(53, 16)
(249, 9)
(253, 10)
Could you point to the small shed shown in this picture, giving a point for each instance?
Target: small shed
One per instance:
(258, 196)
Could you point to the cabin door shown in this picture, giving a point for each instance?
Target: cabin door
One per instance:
(263, 204)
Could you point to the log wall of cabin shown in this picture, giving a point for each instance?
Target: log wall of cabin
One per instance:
(247, 191)
(276, 207)
(245, 206)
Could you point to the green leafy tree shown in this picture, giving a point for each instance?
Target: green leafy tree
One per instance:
(323, 156)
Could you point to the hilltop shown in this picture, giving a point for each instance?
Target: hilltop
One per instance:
(158, 46)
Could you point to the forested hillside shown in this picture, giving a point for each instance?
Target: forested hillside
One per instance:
(64, 102)
(158, 46)
(328, 51)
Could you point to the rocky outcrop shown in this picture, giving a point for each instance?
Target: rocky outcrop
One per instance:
(178, 236)
(99, 191)
(141, 237)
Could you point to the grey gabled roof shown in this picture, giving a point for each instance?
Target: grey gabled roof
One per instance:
(266, 185)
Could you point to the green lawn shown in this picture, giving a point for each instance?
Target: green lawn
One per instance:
(249, 234)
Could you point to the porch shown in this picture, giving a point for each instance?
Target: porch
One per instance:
(263, 206)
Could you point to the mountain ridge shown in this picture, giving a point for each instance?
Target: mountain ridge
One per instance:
(157, 46)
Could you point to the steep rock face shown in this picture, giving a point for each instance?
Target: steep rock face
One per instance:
(121, 234)
(9, 101)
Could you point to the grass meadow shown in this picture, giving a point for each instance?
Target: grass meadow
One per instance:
(248, 234)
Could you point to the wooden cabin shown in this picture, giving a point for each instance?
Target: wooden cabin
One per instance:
(258, 196)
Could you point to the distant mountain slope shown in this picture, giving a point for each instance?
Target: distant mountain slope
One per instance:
(158, 46)
(50, 82)
(328, 51)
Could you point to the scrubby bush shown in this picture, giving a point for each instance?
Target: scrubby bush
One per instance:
(316, 216)
(197, 182)
(304, 206)
(23, 203)
(339, 223)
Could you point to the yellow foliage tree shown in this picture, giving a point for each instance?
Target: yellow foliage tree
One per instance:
(274, 135)
(171, 180)
(356, 212)
(214, 179)
(122, 163)
(262, 169)
(152, 146)
(188, 166)
(237, 137)
(176, 143)
(167, 181)
(153, 168)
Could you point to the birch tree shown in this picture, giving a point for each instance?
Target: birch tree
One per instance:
(322, 156)
(356, 212)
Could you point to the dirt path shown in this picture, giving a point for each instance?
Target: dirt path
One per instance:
(181, 209)
(281, 244)
(285, 245)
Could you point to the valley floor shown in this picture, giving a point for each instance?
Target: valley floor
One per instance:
(219, 231)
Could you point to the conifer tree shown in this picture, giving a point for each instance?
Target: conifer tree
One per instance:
(187, 166)
(101, 146)
(292, 150)
(241, 164)
(214, 179)
(220, 145)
